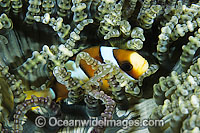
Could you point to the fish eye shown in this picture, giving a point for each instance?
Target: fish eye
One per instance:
(126, 66)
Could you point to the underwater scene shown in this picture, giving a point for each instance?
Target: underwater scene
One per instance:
(99, 66)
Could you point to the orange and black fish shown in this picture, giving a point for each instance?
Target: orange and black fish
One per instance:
(132, 63)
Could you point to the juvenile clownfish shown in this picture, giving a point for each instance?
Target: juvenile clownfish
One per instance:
(57, 91)
(133, 64)
(42, 93)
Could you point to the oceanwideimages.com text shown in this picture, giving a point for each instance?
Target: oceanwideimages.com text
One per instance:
(41, 121)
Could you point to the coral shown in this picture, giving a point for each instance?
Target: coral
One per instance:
(5, 22)
(136, 43)
(40, 38)
(16, 6)
(47, 6)
(146, 20)
(33, 10)
(109, 107)
(57, 24)
(63, 7)
(181, 22)
(179, 94)
(51, 107)
(188, 51)
(77, 8)
(5, 6)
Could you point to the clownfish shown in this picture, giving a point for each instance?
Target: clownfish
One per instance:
(132, 63)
